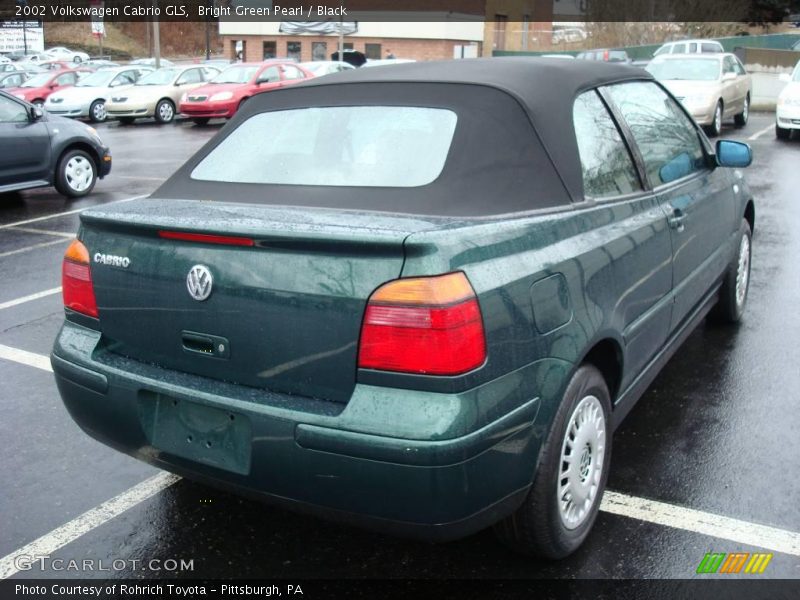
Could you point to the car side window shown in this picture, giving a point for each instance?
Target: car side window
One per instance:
(712, 48)
(12, 112)
(739, 67)
(607, 166)
(65, 79)
(727, 65)
(270, 75)
(126, 78)
(209, 74)
(290, 72)
(191, 76)
(692, 48)
(679, 49)
(666, 137)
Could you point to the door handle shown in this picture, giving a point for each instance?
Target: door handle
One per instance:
(676, 219)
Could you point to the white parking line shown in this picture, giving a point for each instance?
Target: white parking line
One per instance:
(34, 247)
(63, 234)
(758, 134)
(69, 212)
(24, 357)
(696, 521)
(24, 299)
(91, 519)
(642, 509)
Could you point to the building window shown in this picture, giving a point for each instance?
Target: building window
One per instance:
(373, 51)
(270, 50)
(319, 51)
(348, 45)
(500, 22)
(293, 50)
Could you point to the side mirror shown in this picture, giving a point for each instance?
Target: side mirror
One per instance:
(36, 113)
(728, 76)
(785, 77)
(733, 154)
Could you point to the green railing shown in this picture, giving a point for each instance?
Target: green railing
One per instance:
(774, 41)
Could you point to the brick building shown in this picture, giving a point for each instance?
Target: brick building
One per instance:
(416, 40)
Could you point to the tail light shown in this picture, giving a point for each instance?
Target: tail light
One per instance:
(429, 325)
(76, 280)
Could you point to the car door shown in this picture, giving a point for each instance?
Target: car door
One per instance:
(636, 235)
(731, 86)
(696, 198)
(743, 80)
(30, 141)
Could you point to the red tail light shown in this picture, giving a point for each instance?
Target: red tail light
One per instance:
(76, 280)
(428, 325)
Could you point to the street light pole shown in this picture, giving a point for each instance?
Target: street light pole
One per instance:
(156, 36)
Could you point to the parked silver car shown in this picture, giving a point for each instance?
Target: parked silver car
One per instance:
(712, 87)
(87, 98)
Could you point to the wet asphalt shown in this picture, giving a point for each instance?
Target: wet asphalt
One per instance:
(717, 431)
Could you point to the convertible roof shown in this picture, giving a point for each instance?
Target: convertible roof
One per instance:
(514, 149)
(546, 88)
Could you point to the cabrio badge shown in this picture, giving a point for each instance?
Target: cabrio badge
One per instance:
(199, 282)
(111, 260)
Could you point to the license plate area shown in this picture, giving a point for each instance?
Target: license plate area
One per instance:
(204, 434)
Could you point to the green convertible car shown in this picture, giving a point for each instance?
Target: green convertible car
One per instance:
(417, 298)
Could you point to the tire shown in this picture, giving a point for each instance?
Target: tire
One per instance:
(76, 174)
(736, 281)
(740, 120)
(38, 103)
(125, 120)
(201, 120)
(97, 111)
(540, 527)
(782, 133)
(77, 59)
(715, 128)
(165, 111)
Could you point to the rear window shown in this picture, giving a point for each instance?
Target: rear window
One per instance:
(358, 146)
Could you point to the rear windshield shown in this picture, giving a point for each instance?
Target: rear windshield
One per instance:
(359, 146)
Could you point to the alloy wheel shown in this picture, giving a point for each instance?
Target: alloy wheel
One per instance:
(743, 271)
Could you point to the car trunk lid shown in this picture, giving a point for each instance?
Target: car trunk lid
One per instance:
(284, 311)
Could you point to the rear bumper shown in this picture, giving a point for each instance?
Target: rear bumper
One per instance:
(470, 465)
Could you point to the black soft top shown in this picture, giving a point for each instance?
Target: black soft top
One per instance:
(519, 153)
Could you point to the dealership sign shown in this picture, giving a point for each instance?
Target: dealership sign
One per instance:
(14, 36)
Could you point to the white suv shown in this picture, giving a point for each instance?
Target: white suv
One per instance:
(690, 47)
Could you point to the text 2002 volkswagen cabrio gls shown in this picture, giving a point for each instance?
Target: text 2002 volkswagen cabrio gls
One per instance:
(418, 298)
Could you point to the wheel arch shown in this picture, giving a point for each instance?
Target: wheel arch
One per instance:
(78, 145)
(750, 214)
(606, 355)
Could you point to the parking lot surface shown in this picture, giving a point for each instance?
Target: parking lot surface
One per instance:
(706, 462)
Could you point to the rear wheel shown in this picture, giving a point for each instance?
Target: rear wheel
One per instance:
(735, 285)
(76, 174)
(165, 111)
(201, 120)
(97, 111)
(563, 501)
(782, 133)
(741, 118)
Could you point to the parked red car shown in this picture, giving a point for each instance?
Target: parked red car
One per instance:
(223, 95)
(36, 89)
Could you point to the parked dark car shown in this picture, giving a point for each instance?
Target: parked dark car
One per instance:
(399, 309)
(48, 150)
(605, 55)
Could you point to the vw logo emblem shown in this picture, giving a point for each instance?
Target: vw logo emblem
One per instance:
(199, 282)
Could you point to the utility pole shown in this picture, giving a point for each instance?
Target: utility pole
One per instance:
(341, 37)
(156, 37)
(208, 30)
